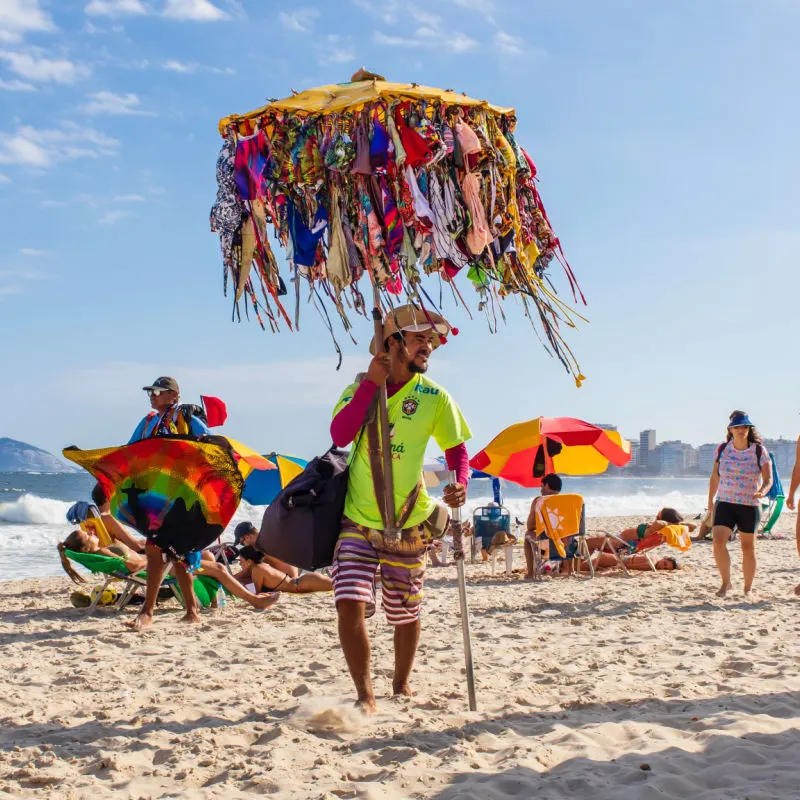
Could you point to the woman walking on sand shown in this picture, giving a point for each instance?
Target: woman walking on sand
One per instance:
(742, 475)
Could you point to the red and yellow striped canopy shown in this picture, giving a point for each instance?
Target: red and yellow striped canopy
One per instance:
(521, 452)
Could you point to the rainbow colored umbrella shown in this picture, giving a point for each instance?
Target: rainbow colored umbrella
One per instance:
(178, 492)
(524, 453)
(261, 486)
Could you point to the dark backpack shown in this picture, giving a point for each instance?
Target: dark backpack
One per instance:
(302, 524)
(759, 451)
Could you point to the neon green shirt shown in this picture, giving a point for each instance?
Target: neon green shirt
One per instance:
(420, 410)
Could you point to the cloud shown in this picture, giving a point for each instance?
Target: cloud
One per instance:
(33, 253)
(301, 20)
(16, 86)
(18, 17)
(13, 281)
(483, 6)
(52, 204)
(4, 178)
(453, 41)
(128, 198)
(330, 50)
(56, 70)
(177, 66)
(115, 8)
(189, 67)
(336, 55)
(387, 12)
(194, 10)
(44, 147)
(508, 44)
(112, 217)
(115, 104)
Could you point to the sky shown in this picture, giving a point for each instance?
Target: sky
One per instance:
(665, 139)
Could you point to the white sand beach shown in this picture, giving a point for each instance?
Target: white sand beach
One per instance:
(642, 687)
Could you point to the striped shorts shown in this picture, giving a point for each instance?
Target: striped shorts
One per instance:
(360, 551)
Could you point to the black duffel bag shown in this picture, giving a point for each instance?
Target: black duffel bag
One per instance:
(302, 523)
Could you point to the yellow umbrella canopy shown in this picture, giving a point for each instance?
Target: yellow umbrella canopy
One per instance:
(410, 185)
(524, 453)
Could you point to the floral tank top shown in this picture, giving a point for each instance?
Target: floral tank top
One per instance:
(740, 474)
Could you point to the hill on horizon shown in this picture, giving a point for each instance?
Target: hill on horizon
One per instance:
(16, 456)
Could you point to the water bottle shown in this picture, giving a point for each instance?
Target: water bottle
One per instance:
(221, 601)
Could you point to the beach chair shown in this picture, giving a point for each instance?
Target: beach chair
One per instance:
(114, 569)
(772, 504)
(487, 523)
(675, 536)
(559, 517)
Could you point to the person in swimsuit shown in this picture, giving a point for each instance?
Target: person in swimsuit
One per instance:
(638, 563)
(267, 578)
(665, 517)
(82, 542)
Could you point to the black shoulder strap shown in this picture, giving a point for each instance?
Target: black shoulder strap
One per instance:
(721, 448)
(759, 451)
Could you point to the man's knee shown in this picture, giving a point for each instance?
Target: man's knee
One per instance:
(351, 611)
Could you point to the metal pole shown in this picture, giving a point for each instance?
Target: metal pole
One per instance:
(458, 557)
(391, 531)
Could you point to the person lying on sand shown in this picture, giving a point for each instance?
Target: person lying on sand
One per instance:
(267, 578)
(665, 517)
(82, 542)
(635, 562)
(245, 535)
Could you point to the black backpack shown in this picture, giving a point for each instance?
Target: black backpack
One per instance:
(302, 524)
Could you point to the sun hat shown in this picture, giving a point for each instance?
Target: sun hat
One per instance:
(410, 319)
(740, 420)
(163, 383)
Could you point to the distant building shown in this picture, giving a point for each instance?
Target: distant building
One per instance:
(784, 451)
(672, 458)
(647, 444)
(634, 462)
(706, 454)
(604, 426)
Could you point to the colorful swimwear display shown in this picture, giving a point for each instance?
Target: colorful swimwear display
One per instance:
(396, 180)
(740, 474)
(177, 492)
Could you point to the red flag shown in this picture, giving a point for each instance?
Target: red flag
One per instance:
(216, 411)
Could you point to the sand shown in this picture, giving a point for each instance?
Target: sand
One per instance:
(643, 687)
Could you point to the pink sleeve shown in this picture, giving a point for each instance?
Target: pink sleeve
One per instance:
(457, 459)
(347, 423)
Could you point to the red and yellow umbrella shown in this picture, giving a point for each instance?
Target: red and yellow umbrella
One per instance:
(524, 453)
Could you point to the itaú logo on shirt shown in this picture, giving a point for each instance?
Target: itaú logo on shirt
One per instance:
(425, 389)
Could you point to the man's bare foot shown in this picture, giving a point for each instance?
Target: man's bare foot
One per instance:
(366, 705)
(191, 618)
(402, 689)
(724, 589)
(751, 596)
(266, 600)
(140, 622)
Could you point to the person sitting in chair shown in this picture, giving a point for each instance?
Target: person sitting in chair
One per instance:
(551, 484)
(82, 542)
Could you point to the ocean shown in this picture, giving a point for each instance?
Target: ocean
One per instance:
(33, 508)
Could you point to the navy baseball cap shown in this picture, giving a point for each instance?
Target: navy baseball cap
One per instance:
(740, 420)
(242, 529)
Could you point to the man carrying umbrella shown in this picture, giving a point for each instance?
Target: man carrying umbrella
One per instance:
(166, 418)
(418, 410)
